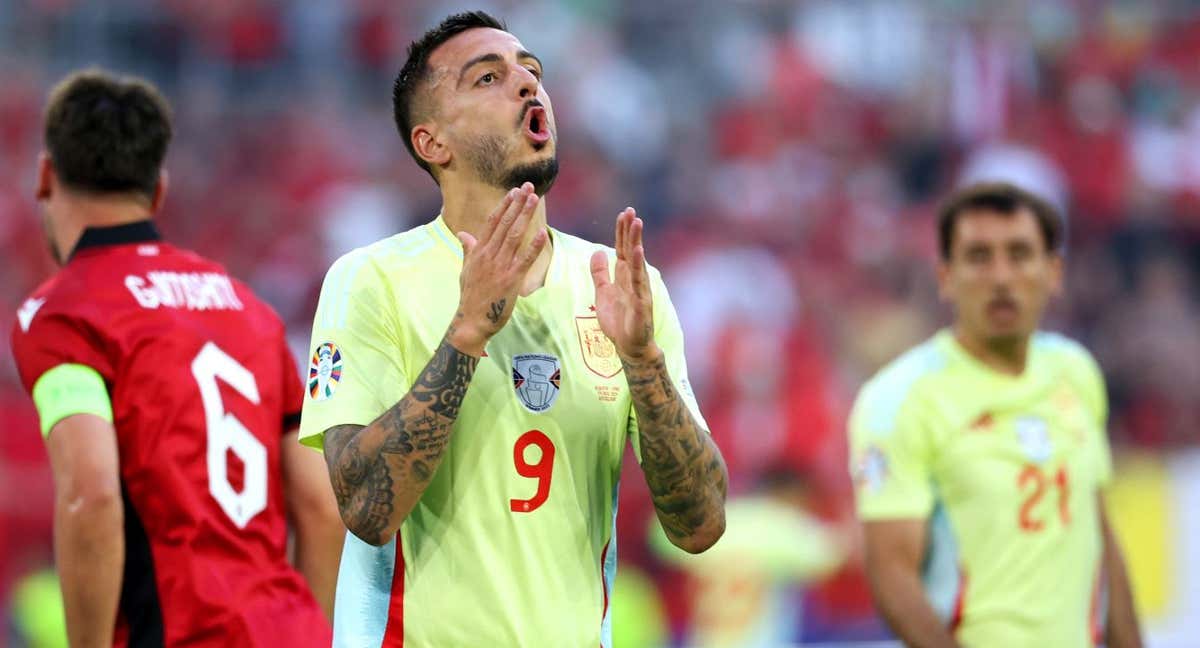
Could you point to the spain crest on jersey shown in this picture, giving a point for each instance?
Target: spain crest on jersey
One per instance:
(324, 371)
(598, 351)
(536, 379)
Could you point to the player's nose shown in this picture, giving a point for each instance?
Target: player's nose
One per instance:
(527, 83)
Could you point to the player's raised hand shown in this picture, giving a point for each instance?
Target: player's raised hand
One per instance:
(493, 268)
(624, 306)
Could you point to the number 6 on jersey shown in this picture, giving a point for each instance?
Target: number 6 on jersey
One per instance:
(225, 432)
(542, 470)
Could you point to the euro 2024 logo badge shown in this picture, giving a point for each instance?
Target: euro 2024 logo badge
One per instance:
(536, 378)
(324, 371)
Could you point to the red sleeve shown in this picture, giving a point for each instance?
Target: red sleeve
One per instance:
(293, 389)
(54, 339)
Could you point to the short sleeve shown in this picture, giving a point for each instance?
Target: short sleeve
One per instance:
(669, 335)
(1095, 393)
(62, 364)
(355, 372)
(55, 338)
(890, 454)
(293, 389)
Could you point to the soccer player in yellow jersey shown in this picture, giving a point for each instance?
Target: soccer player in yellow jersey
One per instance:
(980, 456)
(474, 382)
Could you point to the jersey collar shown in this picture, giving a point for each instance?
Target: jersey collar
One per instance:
(450, 240)
(135, 232)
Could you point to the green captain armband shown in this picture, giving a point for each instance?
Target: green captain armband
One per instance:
(70, 389)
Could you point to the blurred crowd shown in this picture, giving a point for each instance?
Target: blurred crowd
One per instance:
(787, 157)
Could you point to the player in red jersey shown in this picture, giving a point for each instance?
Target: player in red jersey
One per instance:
(169, 402)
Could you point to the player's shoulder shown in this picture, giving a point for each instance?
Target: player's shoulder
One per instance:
(410, 249)
(67, 294)
(1062, 351)
(901, 383)
(578, 251)
(54, 296)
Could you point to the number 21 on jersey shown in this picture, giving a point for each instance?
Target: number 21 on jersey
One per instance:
(1033, 482)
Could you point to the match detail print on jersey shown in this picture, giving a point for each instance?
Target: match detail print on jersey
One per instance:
(324, 371)
(536, 379)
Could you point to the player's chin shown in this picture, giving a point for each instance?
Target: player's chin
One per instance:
(540, 150)
(1004, 333)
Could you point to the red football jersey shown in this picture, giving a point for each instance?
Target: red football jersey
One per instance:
(203, 388)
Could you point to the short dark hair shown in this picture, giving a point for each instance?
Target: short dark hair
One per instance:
(107, 134)
(416, 70)
(999, 197)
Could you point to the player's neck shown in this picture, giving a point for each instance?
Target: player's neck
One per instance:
(82, 212)
(1007, 356)
(466, 209)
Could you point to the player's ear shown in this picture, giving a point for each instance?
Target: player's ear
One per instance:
(428, 144)
(160, 192)
(45, 177)
(944, 280)
(1056, 274)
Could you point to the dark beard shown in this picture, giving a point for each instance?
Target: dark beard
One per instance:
(488, 154)
(540, 174)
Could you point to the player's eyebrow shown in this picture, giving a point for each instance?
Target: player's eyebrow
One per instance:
(525, 54)
(493, 57)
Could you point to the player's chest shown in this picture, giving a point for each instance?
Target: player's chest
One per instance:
(551, 365)
(994, 448)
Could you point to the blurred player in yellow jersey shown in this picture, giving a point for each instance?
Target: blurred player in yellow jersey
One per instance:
(474, 382)
(980, 456)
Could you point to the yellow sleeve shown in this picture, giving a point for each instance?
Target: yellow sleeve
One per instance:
(355, 371)
(1096, 394)
(669, 336)
(891, 452)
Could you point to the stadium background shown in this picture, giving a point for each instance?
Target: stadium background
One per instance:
(787, 157)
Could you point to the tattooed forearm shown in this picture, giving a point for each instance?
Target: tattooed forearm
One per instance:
(683, 467)
(380, 471)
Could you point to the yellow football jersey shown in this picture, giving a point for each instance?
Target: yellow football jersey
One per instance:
(512, 543)
(1006, 470)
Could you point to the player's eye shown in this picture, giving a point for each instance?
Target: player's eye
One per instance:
(978, 255)
(487, 79)
(537, 74)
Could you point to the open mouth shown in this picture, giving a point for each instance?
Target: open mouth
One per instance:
(1005, 309)
(536, 128)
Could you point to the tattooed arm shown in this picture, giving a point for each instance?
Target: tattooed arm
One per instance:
(380, 471)
(683, 468)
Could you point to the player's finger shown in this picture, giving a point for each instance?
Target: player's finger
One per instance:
(520, 227)
(638, 277)
(600, 269)
(493, 221)
(532, 250)
(507, 218)
(619, 243)
(636, 225)
(468, 242)
(617, 235)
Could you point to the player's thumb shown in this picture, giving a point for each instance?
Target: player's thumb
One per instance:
(600, 268)
(468, 242)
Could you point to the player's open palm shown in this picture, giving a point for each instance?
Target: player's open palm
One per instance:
(495, 264)
(624, 305)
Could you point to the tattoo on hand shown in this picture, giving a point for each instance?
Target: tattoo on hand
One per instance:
(384, 467)
(682, 465)
(497, 310)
